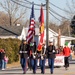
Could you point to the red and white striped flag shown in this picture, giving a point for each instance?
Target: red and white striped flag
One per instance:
(31, 30)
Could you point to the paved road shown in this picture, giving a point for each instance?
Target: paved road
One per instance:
(57, 71)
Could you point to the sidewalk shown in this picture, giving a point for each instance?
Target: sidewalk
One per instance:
(13, 65)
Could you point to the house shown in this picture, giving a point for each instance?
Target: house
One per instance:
(20, 32)
(53, 36)
(10, 31)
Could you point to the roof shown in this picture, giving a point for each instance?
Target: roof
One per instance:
(17, 30)
(10, 30)
(7, 30)
(68, 37)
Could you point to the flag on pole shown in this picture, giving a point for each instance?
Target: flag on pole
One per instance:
(41, 29)
(31, 30)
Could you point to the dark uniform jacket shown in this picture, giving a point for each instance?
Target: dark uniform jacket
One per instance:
(51, 51)
(24, 50)
(33, 50)
(43, 51)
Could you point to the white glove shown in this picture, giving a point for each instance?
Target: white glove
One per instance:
(53, 51)
(28, 58)
(34, 57)
(42, 57)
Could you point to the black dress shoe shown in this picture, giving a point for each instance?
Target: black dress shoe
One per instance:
(34, 72)
(24, 72)
(42, 72)
(51, 72)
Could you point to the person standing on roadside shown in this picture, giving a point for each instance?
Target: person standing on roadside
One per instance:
(50, 52)
(60, 50)
(24, 54)
(5, 61)
(2, 59)
(66, 53)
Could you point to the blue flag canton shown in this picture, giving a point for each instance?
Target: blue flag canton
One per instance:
(32, 12)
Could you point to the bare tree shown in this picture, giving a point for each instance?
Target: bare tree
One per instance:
(53, 26)
(70, 8)
(65, 27)
(14, 11)
(4, 18)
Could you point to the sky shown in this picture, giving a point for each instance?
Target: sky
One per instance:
(59, 3)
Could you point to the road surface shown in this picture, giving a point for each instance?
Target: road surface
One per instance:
(57, 71)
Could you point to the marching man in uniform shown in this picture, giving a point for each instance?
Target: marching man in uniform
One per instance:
(24, 53)
(42, 59)
(51, 51)
(34, 57)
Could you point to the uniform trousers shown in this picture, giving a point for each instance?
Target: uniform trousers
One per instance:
(23, 62)
(42, 65)
(34, 64)
(51, 64)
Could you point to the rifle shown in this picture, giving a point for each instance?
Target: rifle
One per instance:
(43, 53)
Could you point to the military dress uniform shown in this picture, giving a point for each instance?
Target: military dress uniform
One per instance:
(51, 51)
(42, 59)
(24, 53)
(33, 57)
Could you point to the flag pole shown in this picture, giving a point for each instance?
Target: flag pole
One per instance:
(59, 38)
(33, 31)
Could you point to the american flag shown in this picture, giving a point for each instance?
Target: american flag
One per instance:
(31, 30)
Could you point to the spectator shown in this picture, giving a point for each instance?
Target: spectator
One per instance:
(2, 58)
(66, 53)
(5, 61)
(60, 50)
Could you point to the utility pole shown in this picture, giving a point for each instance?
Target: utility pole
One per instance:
(69, 30)
(47, 22)
(59, 38)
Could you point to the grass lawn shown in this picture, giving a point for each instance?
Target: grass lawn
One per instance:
(14, 64)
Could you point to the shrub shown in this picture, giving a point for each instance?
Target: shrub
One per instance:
(11, 47)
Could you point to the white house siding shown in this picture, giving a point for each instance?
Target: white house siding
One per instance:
(23, 34)
(53, 37)
(25, 31)
(62, 41)
(66, 39)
